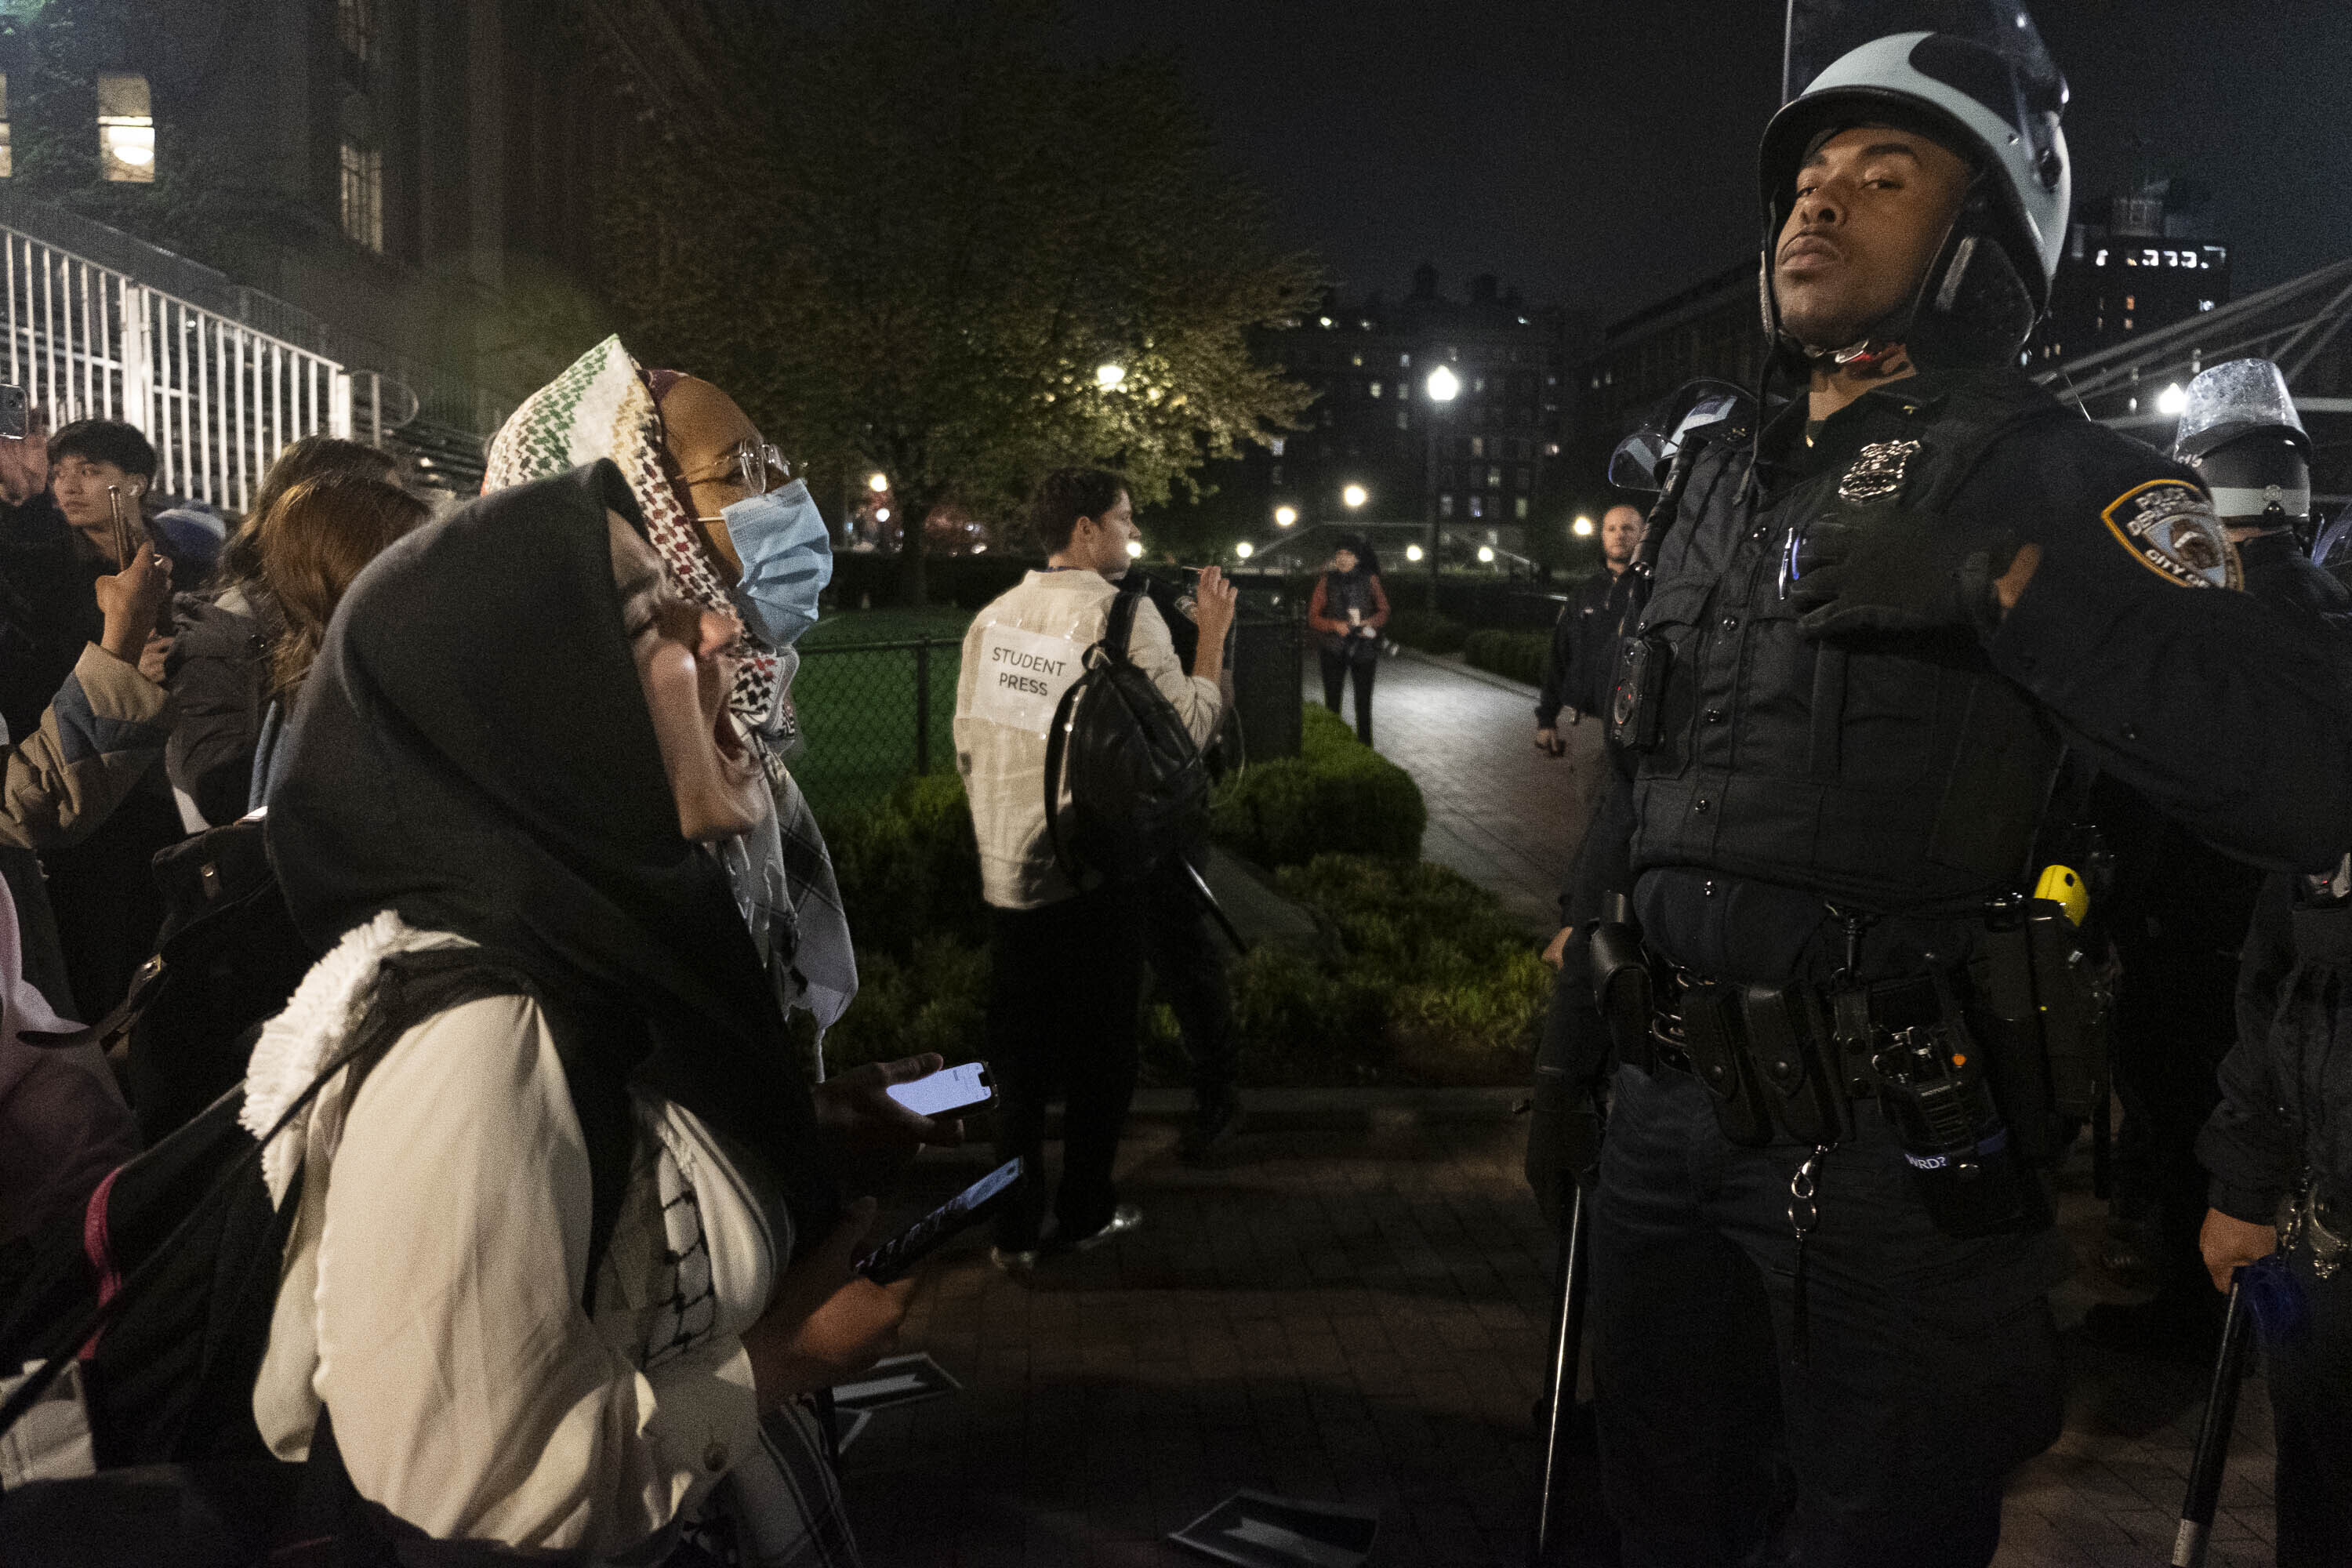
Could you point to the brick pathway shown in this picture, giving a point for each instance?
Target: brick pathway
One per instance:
(1501, 812)
(1358, 1316)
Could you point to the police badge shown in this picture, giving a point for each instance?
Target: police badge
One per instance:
(2169, 525)
(1877, 472)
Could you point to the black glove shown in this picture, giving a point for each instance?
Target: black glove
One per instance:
(1897, 571)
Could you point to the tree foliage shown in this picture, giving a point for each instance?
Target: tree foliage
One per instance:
(919, 255)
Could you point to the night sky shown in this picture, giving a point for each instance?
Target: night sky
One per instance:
(1600, 156)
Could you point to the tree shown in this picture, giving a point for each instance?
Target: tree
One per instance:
(924, 251)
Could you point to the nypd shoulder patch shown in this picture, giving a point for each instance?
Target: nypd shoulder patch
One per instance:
(2169, 525)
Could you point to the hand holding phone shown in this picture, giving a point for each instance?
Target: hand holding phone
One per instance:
(957, 1091)
(929, 1234)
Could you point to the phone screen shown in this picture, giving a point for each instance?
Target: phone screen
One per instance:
(948, 1093)
(919, 1240)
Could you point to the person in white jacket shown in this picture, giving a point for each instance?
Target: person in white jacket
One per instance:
(1066, 965)
(568, 1255)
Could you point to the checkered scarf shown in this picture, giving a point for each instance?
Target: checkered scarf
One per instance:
(782, 873)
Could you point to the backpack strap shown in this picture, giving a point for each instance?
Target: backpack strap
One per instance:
(1121, 626)
(1056, 757)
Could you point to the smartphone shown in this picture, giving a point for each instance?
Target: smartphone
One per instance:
(125, 543)
(957, 1092)
(959, 1213)
(14, 411)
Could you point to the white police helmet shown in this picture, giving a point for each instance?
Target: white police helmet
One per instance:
(1975, 78)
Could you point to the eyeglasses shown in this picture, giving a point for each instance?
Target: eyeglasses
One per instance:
(757, 465)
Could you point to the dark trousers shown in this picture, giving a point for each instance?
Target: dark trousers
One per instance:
(1064, 985)
(1929, 1370)
(2174, 1019)
(1188, 962)
(1340, 665)
(2311, 1407)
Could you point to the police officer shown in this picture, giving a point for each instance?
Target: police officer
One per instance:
(1578, 669)
(1874, 627)
(2179, 911)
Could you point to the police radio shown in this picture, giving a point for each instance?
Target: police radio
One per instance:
(1933, 1086)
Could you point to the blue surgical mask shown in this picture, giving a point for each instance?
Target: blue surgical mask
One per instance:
(787, 555)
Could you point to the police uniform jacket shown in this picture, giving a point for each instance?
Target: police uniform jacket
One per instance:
(1580, 668)
(1903, 774)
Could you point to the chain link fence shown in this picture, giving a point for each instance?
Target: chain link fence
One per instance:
(874, 712)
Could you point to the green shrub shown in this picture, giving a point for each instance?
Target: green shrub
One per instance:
(910, 867)
(934, 1000)
(1427, 630)
(1337, 796)
(1518, 655)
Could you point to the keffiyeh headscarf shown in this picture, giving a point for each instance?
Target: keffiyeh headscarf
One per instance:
(606, 406)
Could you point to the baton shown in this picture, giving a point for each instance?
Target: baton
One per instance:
(2213, 1433)
(1568, 1338)
(1209, 902)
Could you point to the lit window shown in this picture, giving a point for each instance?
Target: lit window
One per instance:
(1376, 389)
(1478, 505)
(355, 30)
(1276, 448)
(2131, 303)
(364, 195)
(1494, 479)
(1274, 475)
(1477, 446)
(7, 161)
(1405, 362)
(1356, 361)
(1519, 508)
(1404, 420)
(1445, 506)
(1551, 448)
(126, 128)
(1478, 386)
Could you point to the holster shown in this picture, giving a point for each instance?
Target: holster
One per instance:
(1796, 1060)
(1709, 1015)
(1623, 990)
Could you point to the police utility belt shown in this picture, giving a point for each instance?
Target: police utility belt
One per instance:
(1974, 1094)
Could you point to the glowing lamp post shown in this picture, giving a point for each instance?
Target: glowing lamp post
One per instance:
(1109, 376)
(1284, 516)
(1581, 528)
(1443, 386)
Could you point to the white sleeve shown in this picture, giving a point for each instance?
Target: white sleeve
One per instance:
(471, 1395)
(1197, 701)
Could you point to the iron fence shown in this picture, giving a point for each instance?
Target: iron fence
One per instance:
(873, 713)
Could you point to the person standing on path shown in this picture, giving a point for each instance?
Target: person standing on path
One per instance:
(1065, 964)
(1345, 613)
(1583, 658)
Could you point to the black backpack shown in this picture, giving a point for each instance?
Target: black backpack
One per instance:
(1139, 789)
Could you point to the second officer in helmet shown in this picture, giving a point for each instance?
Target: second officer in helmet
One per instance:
(1882, 629)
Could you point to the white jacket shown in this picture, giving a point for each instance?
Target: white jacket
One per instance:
(1019, 655)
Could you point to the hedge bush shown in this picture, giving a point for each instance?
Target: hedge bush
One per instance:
(1338, 796)
(910, 867)
(1427, 630)
(1518, 655)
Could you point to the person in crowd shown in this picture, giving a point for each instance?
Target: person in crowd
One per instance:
(99, 736)
(105, 902)
(1346, 613)
(314, 543)
(220, 666)
(628, 1238)
(1582, 662)
(63, 1122)
(1837, 788)
(1188, 959)
(1065, 963)
(739, 537)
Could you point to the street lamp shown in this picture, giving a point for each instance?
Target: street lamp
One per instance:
(1581, 528)
(1244, 549)
(1284, 516)
(1108, 376)
(881, 514)
(1413, 553)
(1354, 496)
(878, 482)
(2172, 401)
(1135, 550)
(1443, 386)
(1485, 555)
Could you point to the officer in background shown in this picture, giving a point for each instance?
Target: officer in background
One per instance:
(2179, 911)
(1583, 656)
(1875, 628)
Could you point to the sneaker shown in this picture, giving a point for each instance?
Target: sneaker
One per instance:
(1124, 1218)
(1212, 1127)
(1014, 1262)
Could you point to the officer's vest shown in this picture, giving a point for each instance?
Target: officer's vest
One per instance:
(1889, 773)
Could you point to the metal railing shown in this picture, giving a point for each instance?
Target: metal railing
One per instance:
(217, 398)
